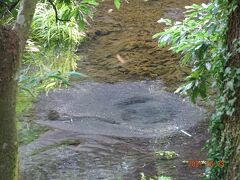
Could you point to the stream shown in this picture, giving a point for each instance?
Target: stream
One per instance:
(109, 125)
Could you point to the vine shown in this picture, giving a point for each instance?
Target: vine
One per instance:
(201, 40)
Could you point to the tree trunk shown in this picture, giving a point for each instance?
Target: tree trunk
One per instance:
(232, 124)
(24, 20)
(11, 47)
(9, 63)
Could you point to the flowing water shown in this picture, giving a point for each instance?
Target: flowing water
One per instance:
(109, 125)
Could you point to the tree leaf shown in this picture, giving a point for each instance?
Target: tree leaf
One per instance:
(117, 3)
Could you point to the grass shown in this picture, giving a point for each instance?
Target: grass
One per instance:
(24, 102)
(50, 51)
(27, 131)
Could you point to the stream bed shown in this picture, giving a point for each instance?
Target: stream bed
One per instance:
(110, 125)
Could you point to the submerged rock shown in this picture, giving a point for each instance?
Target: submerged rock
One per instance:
(53, 115)
(127, 109)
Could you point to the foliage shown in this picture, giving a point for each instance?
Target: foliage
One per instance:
(201, 40)
(27, 131)
(75, 9)
(117, 3)
(40, 73)
(57, 29)
(51, 34)
(7, 11)
(49, 58)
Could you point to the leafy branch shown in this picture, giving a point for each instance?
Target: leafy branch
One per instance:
(56, 12)
(201, 40)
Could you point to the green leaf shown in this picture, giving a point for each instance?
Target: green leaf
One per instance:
(50, 85)
(203, 90)
(194, 95)
(157, 35)
(117, 3)
(58, 76)
(230, 85)
(68, 2)
(168, 22)
(90, 2)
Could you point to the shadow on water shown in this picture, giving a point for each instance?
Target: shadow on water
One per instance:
(109, 126)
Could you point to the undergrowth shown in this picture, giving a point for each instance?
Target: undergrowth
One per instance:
(49, 60)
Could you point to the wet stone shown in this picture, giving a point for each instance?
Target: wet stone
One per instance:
(119, 109)
(53, 115)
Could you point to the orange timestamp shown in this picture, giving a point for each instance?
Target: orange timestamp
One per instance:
(208, 163)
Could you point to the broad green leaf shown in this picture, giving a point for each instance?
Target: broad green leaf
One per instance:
(117, 3)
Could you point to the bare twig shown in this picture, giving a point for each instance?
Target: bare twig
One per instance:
(186, 133)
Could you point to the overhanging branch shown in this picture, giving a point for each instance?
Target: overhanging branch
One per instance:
(56, 12)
